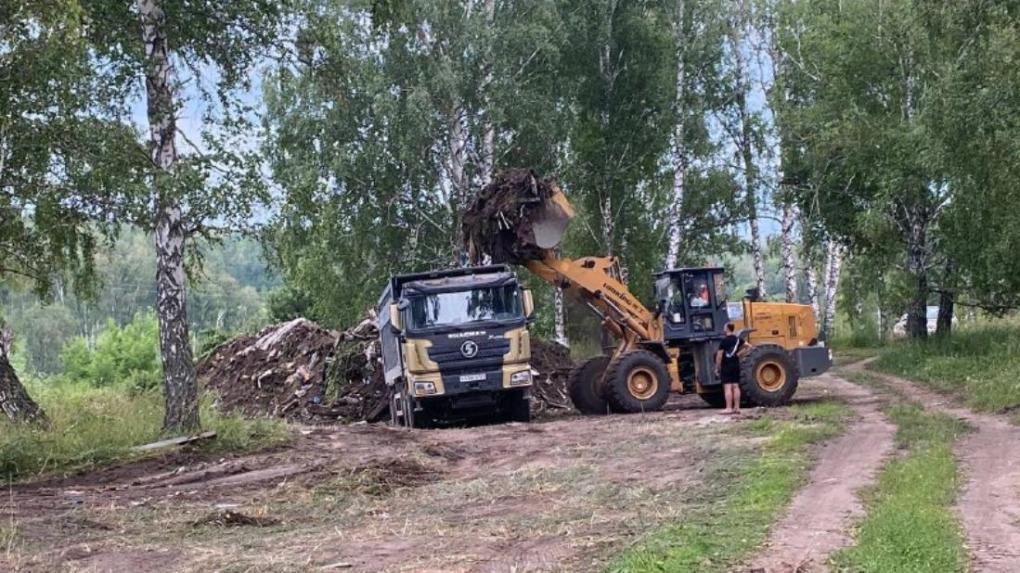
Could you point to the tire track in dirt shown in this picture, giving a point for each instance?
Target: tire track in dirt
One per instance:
(819, 518)
(989, 505)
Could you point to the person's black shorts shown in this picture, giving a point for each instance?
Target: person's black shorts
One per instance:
(730, 377)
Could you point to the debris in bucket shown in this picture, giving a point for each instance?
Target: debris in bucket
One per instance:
(513, 220)
(301, 371)
(230, 518)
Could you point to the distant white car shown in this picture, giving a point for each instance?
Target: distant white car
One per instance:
(932, 312)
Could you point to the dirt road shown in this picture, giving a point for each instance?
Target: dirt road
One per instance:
(989, 505)
(820, 517)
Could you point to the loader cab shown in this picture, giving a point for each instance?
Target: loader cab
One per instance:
(691, 303)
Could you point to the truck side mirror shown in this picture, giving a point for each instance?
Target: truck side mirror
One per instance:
(395, 320)
(529, 302)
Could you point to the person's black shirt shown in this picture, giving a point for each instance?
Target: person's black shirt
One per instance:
(730, 368)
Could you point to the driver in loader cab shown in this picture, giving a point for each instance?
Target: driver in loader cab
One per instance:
(727, 367)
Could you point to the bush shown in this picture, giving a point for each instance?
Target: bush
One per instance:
(979, 364)
(124, 356)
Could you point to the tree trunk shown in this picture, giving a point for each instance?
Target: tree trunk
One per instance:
(947, 300)
(747, 151)
(679, 144)
(457, 173)
(15, 402)
(832, 272)
(789, 259)
(489, 131)
(812, 288)
(561, 319)
(917, 315)
(179, 381)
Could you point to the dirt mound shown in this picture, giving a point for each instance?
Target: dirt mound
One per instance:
(300, 371)
(499, 222)
(552, 363)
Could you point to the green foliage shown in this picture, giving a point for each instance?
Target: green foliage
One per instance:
(126, 357)
(979, 364)
(732, 525)
(92, 427)
(47, 329)
(910, 525)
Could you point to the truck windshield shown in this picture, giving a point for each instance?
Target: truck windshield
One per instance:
(463, 307)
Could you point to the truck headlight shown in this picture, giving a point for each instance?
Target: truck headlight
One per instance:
(521, 378)
(424, 388)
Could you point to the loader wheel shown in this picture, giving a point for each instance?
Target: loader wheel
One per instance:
(586, 387)
(714, 399)
(768, 376)
(637, 382)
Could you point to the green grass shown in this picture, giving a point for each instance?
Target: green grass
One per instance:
(910, 526)
(92, 427)
(842, 356)
(979, 365)
(747, 501)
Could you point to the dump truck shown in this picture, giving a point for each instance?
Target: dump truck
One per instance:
(521, 219)
(455, 346)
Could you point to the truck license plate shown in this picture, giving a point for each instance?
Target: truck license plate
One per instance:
(472, 377)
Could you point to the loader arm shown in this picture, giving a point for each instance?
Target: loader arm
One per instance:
(593, 281)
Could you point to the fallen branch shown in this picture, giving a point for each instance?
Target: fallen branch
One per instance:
(171, 442)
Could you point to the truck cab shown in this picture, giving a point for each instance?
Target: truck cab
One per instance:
(455, 346)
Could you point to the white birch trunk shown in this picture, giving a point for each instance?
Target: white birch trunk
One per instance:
(832, 272)
(746, 149)
(561, 318)
(178, 367)
(457, 169)
(812, 288)
(679, 145)
(787, 248)
(15, 402)
(489, 128)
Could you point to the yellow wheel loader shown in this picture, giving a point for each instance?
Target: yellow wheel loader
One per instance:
(667, 348)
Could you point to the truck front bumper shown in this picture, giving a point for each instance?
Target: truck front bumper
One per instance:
(507, 377)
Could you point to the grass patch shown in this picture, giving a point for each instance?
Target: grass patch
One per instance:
(842, 356)
(978, 364)
(718, 535)
(92, 427)
(910, 526)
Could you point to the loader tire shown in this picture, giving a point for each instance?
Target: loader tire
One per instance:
(714, 399)
(768, 376)
(637, 382)
(586, 388)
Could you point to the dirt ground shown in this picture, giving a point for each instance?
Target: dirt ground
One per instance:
(564, 495)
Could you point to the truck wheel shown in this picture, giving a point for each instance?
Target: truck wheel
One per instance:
(637, 382)
(518, 407)
(396, 418)
(414, 419)
(768, 376)
(585, 386)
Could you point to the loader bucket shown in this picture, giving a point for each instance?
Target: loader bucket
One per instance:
(549, 222)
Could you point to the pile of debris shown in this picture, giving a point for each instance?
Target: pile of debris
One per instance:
(300, 371)
(513, 219)
(552, 365)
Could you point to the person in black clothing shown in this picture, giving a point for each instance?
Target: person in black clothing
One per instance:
(727, 367)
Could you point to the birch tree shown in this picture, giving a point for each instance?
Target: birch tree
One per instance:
(212, 186)
(745, 132)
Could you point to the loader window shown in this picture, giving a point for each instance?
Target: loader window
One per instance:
(464, 307)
